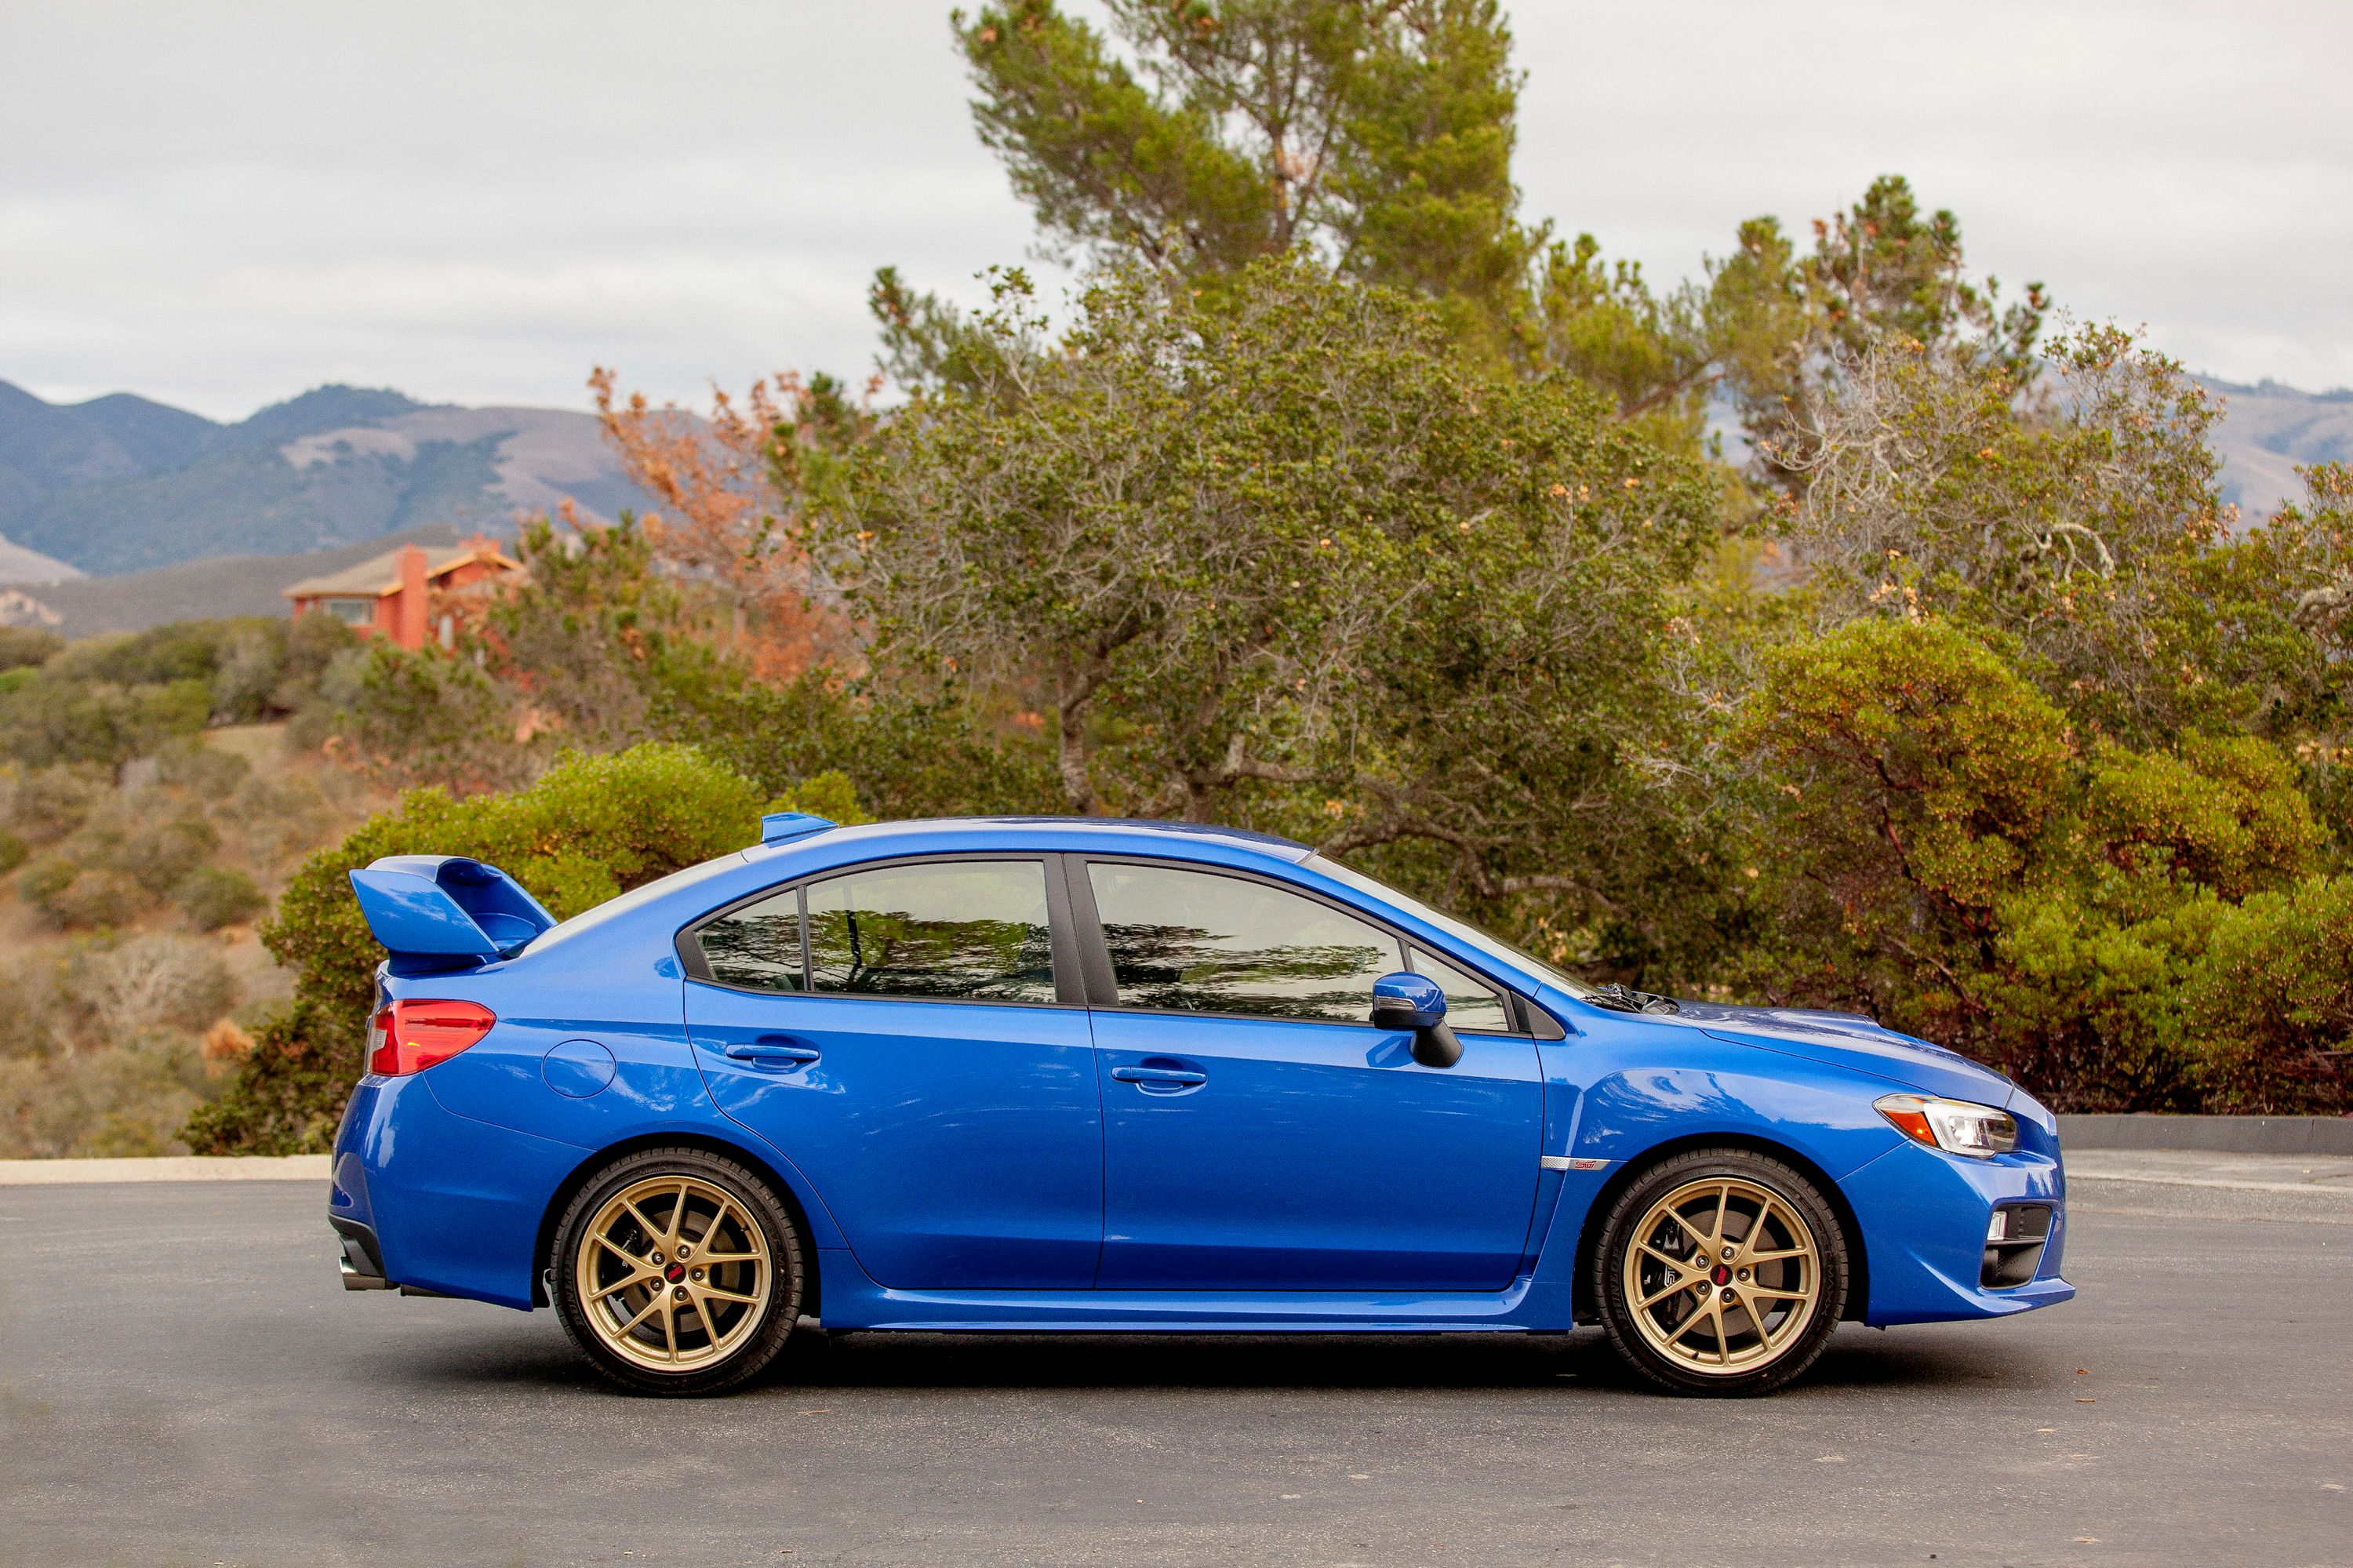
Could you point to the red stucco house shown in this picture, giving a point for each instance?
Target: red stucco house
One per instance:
(405, 594)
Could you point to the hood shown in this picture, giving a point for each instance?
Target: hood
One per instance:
(1851, 1040)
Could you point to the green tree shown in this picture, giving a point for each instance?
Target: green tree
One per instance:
(1282, 553)
(1376, 133)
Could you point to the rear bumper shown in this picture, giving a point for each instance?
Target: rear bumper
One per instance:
(361, 1261)
(428, 1203)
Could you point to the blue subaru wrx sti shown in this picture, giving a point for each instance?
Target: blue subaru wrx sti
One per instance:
(1081, 1074)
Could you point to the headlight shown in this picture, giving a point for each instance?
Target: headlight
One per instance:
(1957, 1126)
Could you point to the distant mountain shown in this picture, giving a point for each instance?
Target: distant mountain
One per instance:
(2267, 431)
(121, 483)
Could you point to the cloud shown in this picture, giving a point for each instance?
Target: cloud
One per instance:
(221, 206)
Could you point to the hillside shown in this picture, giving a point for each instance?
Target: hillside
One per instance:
(2267, 431)
(208, 589)
(122, 484)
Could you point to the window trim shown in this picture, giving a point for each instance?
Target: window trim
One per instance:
(1505, 999)
(1102, 988)
(1069, 986)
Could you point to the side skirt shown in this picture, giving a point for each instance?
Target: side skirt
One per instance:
(853, 1301)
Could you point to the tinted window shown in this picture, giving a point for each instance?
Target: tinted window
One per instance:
(1470, 1003)
(1191, 941)
(963, 928)
(758, 946)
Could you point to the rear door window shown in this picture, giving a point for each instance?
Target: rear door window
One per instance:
(974, 929)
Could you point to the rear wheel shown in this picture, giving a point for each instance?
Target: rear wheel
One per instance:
(1721, 1271)
(677, 1271)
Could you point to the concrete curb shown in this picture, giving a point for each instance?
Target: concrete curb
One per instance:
(2211, 1134)
(167, 1168)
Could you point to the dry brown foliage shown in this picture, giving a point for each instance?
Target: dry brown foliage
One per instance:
(724, 480)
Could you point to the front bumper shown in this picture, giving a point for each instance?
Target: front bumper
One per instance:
(1924, 1215)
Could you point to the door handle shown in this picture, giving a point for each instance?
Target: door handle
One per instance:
(771, 1051)
(1175, 1077)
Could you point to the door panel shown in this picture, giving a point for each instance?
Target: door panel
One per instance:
(1296, 1150)
(957, 1143)
(1313, 1157)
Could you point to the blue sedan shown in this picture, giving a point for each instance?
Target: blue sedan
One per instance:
(1080, 1075)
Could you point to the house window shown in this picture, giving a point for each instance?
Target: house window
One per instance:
(350, 611)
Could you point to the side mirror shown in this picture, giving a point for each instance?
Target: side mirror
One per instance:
(1403, 1001)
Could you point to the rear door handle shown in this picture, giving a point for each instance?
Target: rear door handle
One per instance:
(771, 1051)
(1171, 1076)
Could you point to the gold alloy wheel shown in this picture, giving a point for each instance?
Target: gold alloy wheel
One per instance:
(1722, 1275)
(673, 1273)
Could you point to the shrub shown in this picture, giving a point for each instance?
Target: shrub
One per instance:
(163, 850)
(130, 1101)
(25, 647)
(593, 827)
(43, 880)
(217, 896)
(2270, 1003)
(14, 851)
(45, 804)
(162, 982)
(98, 900)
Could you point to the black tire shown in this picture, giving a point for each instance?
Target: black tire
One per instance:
(735, 1349)
(1751, 1354)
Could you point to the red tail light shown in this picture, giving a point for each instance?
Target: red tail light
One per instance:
(411, 1034)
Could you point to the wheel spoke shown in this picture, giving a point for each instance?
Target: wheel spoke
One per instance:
(1723, 1200)
(677, 1216)
(718, 1219)
(653, 1232)
(624, 1330)
(1777, 1257)
(1690, 1229)
(669, 1325)
(1781, 1294)
(1681, 1264)
(717, 1294)
(715, 1259)
(710, 1328)
(625, 1255)
(1647, 1302)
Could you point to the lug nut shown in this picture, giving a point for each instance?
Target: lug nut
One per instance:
(680, 1294)
(1730, 1295)
(698, 1276)
(1730, 1253)
(1743, 1276)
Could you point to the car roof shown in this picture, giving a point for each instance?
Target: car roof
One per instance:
(1107, 834)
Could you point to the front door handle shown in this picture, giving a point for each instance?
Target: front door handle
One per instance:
(771, 1051)
(1173, 1077)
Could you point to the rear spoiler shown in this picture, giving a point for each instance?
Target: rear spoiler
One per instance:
(438, 912)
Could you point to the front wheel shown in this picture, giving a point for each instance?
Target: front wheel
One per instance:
(1721, 1271)
(677, 1271)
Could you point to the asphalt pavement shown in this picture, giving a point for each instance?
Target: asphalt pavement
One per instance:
(183, 1381)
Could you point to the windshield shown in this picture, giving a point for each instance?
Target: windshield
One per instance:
(1468, 935)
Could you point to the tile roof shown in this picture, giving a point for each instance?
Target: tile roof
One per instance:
(380, 575)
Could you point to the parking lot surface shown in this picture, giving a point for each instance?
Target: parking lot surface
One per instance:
(183, 1381)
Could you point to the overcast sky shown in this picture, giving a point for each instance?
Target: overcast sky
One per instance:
(220, 206)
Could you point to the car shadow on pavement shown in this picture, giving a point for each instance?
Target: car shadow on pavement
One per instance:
(1857, 1358)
